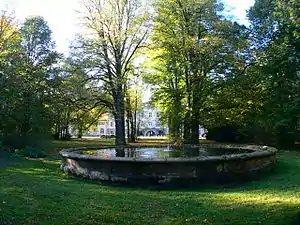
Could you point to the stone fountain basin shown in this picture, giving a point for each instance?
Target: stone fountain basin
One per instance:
(172, 171)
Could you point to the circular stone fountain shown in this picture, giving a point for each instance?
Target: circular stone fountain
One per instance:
(167, 165)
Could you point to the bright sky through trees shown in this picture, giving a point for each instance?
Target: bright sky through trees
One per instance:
(63, 18)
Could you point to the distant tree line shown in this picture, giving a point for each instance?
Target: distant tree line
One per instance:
(41, 93)
(241, 83)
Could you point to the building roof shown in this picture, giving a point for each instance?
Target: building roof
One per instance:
(104, 117)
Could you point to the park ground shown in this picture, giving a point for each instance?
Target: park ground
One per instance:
(35, 191)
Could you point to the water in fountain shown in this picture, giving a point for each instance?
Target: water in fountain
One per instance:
(162, 152)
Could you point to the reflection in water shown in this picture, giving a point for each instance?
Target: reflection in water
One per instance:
(161, 152)
(120, 152)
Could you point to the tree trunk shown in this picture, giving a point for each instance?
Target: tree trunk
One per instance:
(194, 131)
(195, 114)
(135, 124)
(130, 126)
(128, 129)
(25, 122)
(80, 132)
(187, 117)
(174, 126)
(132, 131)
(119, 117)
(187, 128)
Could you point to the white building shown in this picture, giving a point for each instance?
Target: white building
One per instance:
(149, 123)
(106, 125)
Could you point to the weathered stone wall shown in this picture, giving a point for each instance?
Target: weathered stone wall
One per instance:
(192, 171)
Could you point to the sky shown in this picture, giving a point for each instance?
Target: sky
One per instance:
(63, 19)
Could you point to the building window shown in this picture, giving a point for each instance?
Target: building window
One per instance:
(111, 124)
(101, 131)
(150, 124)
(150, 114)
(102, 122)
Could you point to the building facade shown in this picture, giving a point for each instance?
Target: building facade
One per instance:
(149, 123)
(106, 125)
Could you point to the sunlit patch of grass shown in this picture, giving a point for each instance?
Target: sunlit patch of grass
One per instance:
(54, 162)
(249, 198)
(63, 180)
(31, 171)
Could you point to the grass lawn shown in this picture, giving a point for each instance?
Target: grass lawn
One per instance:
(55, 146)
(34, 191)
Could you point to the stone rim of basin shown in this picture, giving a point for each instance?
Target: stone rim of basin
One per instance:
(258, 151)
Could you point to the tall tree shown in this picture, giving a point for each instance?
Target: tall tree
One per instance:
(10, 51)
(117, 30)
(168, 86)
(39, 59)
(201, 45)
(276, 40)
(133, 104)
(27, 61)
(86, 100)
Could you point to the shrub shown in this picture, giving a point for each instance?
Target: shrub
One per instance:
(31, 152)
(222, 134)
(1, 142)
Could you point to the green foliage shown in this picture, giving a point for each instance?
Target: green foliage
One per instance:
(276, 43)
(133, 105)
(27, 61)
(224, 76)
(78, 101)
(31, 152)
(193, 48)
(204, 70)
(261, 104)
(118, 30)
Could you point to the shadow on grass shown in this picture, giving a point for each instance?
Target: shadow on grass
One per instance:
(88, 203)
(36, 192)
(9, 159)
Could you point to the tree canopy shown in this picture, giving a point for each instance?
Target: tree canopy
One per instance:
(241, 83)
